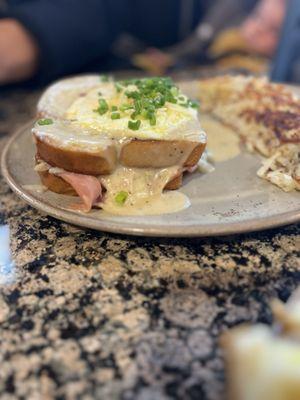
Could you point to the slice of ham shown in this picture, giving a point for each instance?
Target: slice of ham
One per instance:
(87, 187)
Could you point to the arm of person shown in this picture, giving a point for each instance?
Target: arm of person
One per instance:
(261, 29)
(49, 38)
(18, 52)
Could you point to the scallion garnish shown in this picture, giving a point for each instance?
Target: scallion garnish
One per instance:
(152, 120)
(134, 115)
(125, 107)
(194, 104)
(134, 125)
(118, 87)
(102, 107)
(104, 78)
(115, 115)
(45, 121)
(144, 97)
(121, 197)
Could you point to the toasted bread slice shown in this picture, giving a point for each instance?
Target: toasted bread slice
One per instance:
(56, 184)
(160, 154)
(78, 161)
(135, 153)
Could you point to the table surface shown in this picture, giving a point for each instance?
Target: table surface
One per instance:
(87, 314)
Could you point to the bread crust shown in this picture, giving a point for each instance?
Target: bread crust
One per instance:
(56, 184)
(77, 161)
(160, 153)
(136, 153)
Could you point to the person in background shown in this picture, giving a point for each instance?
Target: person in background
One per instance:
(45, 39)
(256, 35)
(18, 52)
(261, 30)
(213, 35)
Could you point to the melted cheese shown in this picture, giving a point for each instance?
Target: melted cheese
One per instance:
(172, 121)
(35, 188)
(68, 134)
(145, 192)
(222, 142)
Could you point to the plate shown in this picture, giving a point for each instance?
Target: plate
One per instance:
(229, 200)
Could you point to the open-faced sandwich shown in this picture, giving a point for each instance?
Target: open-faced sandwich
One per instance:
(123, 146)
(267, 118)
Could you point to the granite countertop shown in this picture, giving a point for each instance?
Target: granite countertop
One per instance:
(91, 315)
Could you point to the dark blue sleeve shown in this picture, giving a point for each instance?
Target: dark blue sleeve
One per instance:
(286, 62)
(70, 33)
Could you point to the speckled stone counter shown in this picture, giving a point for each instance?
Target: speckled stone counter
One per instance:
(90, 315)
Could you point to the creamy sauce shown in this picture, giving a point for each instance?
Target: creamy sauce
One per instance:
(35, 188)
(67, 134)
(222, 142)
(143, 185)
(145, 192)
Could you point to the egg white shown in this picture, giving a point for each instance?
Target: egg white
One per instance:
(172, 121)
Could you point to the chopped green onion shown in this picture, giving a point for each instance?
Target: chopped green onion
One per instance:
(186, 104)
(152, 120)
(160, 101)
(134, 125)
(132, 94)
(194, 104)
(145, 96)
(104, 78)
(138, 105)
(118, 87)
(171, 99)
(121, 197)
(134, 115)
(174, 91)
(150, 108)
(103, 107)
(115, 115)
(45, 121)
(125, 107)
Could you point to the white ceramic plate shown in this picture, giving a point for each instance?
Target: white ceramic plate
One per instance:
(232, 199)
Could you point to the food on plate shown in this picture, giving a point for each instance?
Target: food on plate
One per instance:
(122, 146)
(264, 362)
(267, 118)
